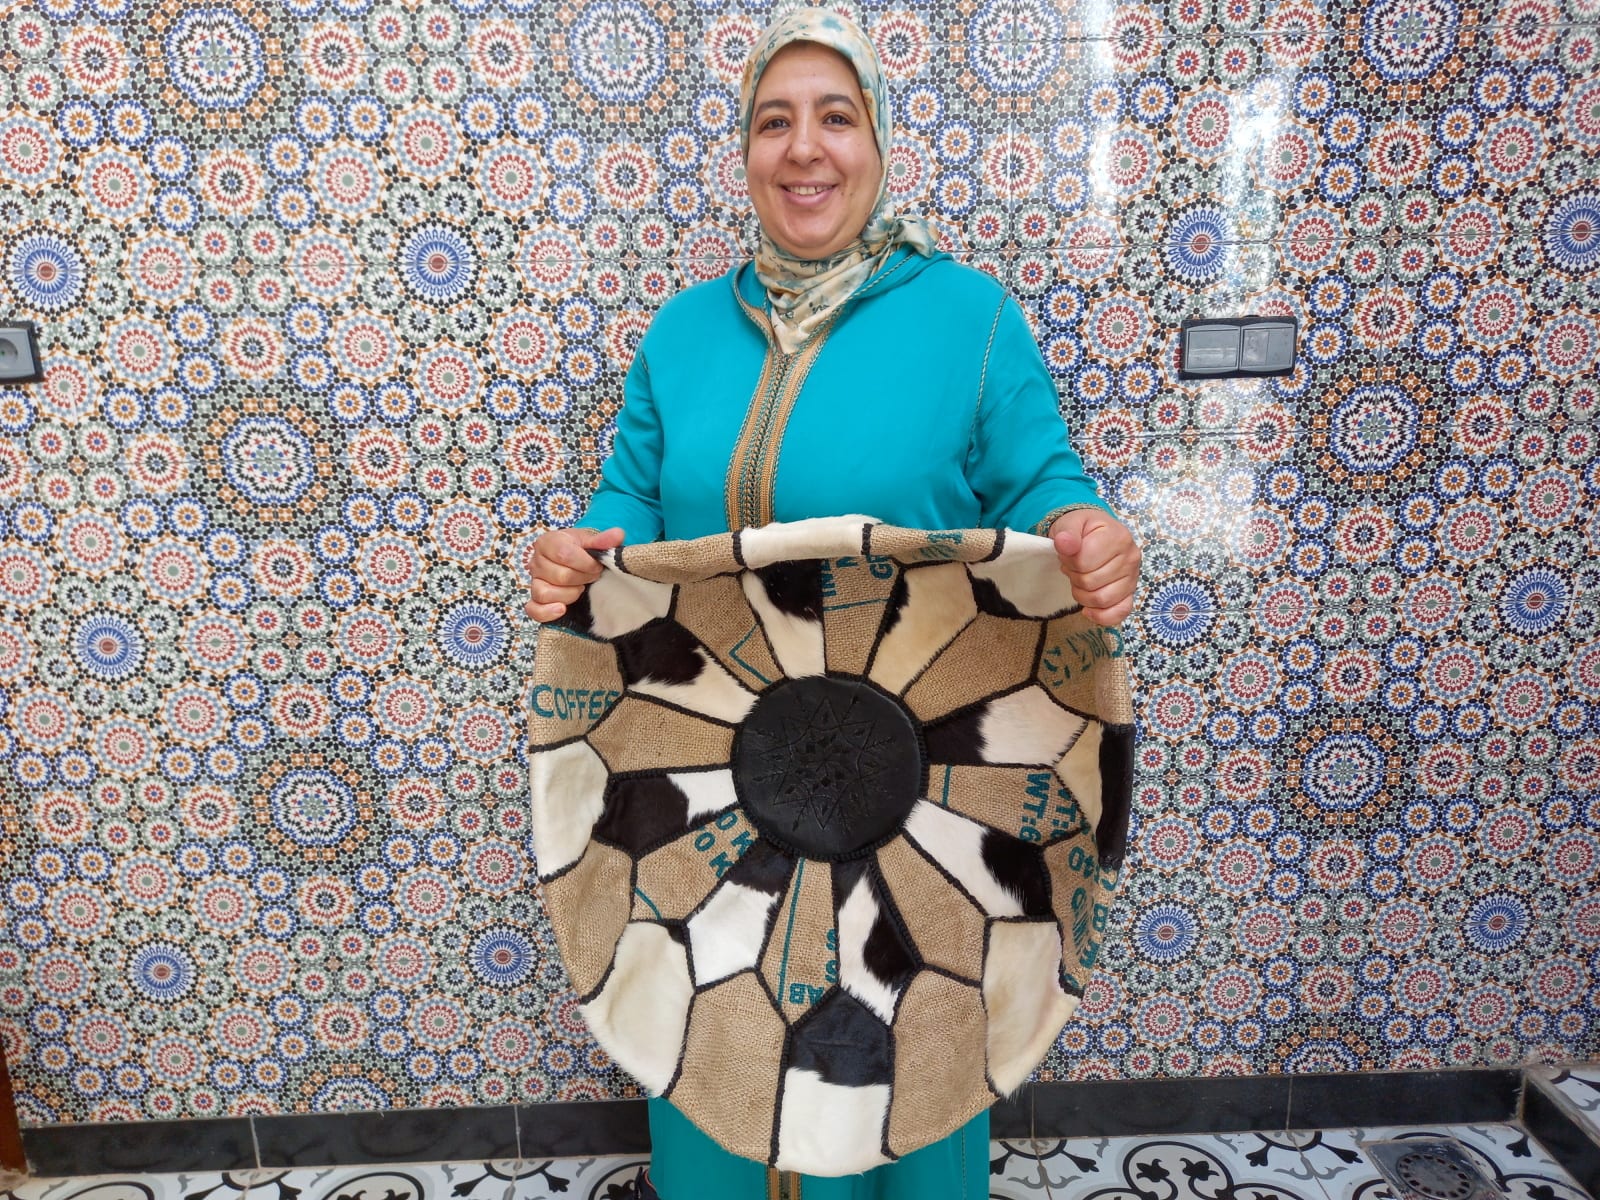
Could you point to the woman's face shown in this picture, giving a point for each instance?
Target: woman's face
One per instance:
(813, 167)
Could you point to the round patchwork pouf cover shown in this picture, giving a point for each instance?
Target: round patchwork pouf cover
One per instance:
(827, 817)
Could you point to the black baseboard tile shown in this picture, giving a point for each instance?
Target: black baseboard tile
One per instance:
(140, 1147)
(1365, 1099)
(408, 1135)
(577, 1129)
(1113, 1108)
(1569, 1142)
(1096, 1108)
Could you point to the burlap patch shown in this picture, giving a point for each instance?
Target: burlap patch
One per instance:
(936, 1090)
(1081, 896)
(673, 880)
(1070, 669)
(947, 928)
(920, 546)
(686, 562)
(729, 1079)
(588, 907)
(986, 657)
(716, 612)
(854, 590)
(631, 740)
(1030, 804)
(802, 959)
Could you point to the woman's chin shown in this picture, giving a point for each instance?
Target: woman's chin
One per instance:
(803, 243)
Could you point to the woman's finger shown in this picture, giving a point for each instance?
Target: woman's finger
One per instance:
(545, 613)
(1114, 615)
(560, 575)
(546, 591)
(568, 551)
(1125, 566)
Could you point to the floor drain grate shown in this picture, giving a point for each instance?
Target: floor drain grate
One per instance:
(1430, 1169)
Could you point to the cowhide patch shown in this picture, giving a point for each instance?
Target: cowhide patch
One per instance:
(642, 1009)
(876, 958)
(787, 599)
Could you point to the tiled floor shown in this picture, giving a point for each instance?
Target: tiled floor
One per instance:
(1579, 1089)
(1315, 1165)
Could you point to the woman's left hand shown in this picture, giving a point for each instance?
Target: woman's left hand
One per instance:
(1099, 556)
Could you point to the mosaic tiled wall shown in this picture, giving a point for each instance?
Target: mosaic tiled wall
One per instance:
(336, 297)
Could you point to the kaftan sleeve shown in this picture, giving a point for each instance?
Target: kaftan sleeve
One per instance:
(1020, 463)
(629, 492)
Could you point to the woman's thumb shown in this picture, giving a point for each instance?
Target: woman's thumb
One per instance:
(605, 539)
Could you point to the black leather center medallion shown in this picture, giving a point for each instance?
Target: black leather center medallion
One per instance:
(827, 768)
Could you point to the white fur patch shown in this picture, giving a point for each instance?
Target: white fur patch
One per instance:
(1023, 997)
(619, 603)
(708, 791)
(727, 934)
(1027, 727)
(938, 606)
(714, 692)
(815, 537)
(830, 1123)
(641, 1014)
(857, 915)
(1080, 771)
(796, 642)
(1028, 574)
(568, 786)
(956, 844)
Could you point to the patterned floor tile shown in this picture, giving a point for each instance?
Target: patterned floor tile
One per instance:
(1175, 1168)
(206, 1186)
(1506, 1155)
(577, 1178)
(1579, 1089)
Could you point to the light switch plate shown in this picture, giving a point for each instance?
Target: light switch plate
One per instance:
(1236, 347)
(19, 353)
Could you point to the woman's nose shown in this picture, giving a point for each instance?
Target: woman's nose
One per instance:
(803, 143)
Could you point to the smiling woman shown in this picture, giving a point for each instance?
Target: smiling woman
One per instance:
(850, 367)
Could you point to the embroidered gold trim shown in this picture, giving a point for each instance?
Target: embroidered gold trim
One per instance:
(1042, 527)
(753, 469)
(782, 1185)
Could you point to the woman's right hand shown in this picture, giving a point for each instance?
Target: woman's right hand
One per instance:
(563, 566)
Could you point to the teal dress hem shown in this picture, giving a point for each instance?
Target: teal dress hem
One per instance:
(686, 1164)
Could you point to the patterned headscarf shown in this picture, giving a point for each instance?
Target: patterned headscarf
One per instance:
(804, 291)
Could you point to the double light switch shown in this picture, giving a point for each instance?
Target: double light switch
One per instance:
(1236, 347)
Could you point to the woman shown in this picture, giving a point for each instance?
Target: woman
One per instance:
(849, 368)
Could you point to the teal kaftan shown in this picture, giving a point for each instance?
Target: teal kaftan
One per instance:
(924, 403)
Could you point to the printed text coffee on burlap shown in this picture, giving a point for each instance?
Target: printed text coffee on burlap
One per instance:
(827, 817)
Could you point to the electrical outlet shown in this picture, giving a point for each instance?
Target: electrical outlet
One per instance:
(19, 353)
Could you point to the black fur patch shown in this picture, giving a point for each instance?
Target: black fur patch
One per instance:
(662, 651)
(957, 739)
(989, 599)
(642, 813)
(1018, 867)
(579, 615)
(1116, 793)
(888, 952)
(795, 588)
(764, 868)
(842, 1040)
